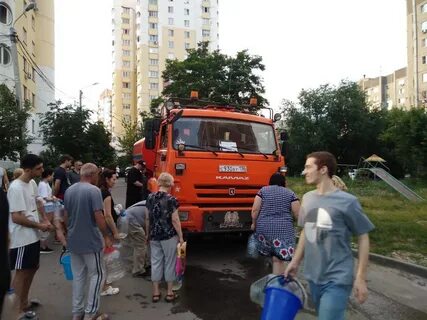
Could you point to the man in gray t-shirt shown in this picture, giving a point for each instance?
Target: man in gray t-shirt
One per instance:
(330, 217)
(86, 226)
(136, 216)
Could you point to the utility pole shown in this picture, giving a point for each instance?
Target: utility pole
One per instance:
(14, 52)
(80, 98)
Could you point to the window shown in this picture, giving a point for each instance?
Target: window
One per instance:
(170, 21)
(126, 42)
(153, 50)
(424, 8)
(125, 31)
(125, 20)
(5, 14)
(24, 35)
(126, 118)
(170, 32)
(186, 34)
(206, 21)
(126, 85)
(186, 23)
(34, 47)
(154, 2)
(154, 86)
(152, 97)
(170, 44)
(33, 126)
(126, 64)
(205, 9)
(25, 92)
(186, 11)
(25, 65)
(154, 38)
(126, 106)
(153, 74)
(126, 53)
(170, 9)
(424, 59)
(4, 55)
(154, 62)
(424, 27)
(424, 77)
(33, 22)
(126, 96)
(33, 100)
(206, 33)
(187, 45)
(153, 25)
(126, 74)
(171, 56)
(152, 13)
(33, 74)
(126, 10)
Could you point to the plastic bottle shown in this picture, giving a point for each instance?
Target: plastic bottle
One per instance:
(123, 224)
(115, 270)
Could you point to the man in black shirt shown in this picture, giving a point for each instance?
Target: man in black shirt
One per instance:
(135, 184)
(61, 181)
(4, 247)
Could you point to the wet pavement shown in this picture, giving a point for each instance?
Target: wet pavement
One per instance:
(216, 286)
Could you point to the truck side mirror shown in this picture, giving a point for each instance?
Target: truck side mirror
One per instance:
(149, 134)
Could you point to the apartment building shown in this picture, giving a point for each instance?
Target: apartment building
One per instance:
(105, 109)
(152, 31)
(387, 91)
(30, 71)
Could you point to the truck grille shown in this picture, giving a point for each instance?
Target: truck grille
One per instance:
(230, 193)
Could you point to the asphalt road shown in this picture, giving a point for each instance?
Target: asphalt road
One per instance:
(216, 286)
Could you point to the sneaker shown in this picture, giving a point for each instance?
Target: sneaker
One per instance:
(46, 250)
(110, 291)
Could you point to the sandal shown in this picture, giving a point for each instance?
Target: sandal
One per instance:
(33, 304)
(156, 298)
(110, 291)
(98, 316)
(171, 297)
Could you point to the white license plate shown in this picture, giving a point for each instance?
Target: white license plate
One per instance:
(224, 168)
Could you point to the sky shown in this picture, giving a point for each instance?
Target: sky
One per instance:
(303, 43)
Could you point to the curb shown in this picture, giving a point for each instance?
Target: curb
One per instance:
(396, 264)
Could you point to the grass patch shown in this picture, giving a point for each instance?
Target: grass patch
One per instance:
(400, 225)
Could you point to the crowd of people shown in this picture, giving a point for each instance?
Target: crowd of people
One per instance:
(79, 210)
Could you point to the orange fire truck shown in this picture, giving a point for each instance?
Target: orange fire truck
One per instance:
(220, 156)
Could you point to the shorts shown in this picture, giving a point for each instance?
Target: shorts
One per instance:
(26, 257)
(283, 249)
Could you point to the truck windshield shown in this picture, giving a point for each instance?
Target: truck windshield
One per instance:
(224, 135)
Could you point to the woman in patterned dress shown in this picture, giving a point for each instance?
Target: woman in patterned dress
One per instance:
(272, 221)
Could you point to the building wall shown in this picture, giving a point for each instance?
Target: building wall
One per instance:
(164, 30)
(35, 47)
(387, 91)
(105, 109)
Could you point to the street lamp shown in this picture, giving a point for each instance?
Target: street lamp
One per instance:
(81, 92)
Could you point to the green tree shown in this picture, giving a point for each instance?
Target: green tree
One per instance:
(216, 76)
(405, 137)
(13, 134)
(67, 129)
(98, 145)
(332, 118)
(132, 133)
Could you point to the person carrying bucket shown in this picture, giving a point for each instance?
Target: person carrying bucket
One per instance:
(330, 217)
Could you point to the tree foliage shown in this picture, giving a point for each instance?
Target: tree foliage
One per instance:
(216, 76)
(405, 137)
(13, 134)
(132, 133)
(336, 119)
(67, 129)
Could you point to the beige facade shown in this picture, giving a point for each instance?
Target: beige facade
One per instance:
(387, 91)
(105, 109)
(164, 29)
(35, 61)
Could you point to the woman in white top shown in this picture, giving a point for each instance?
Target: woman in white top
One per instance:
(45, 192)
(4, 180)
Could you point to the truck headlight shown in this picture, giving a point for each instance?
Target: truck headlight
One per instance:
(283, 169)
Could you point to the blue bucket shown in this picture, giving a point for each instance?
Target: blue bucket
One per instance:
(280, 304)
(65, 260)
